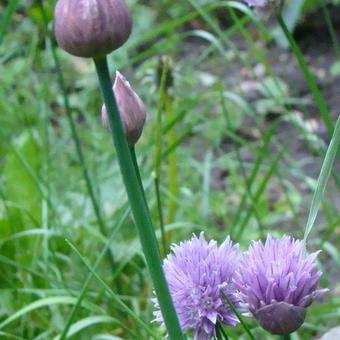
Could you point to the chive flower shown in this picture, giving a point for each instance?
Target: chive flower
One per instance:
(197, 272)
(278, 280)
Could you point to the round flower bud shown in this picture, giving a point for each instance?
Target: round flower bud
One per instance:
(91, 28)
(131, 110)
(281, 318)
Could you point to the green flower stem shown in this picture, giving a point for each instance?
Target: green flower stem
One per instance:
(284, 337)
(220, 333)
(319, 101)
(135, 164)
(239, 316)
(138, 204)
(159, 203)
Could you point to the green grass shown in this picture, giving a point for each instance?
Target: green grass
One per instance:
(221, 166)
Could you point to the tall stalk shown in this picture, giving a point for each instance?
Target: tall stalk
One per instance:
(138, 204)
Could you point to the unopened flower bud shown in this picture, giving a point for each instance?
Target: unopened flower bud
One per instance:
(91, 28)
(131, 109)
(281, 318)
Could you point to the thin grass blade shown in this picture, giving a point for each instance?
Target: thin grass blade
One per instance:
(323, 179)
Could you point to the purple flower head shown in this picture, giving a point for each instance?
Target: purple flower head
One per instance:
(278, 280)
(196, 272)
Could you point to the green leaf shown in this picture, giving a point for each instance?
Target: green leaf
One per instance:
(7, 17)
(55, 300)
(86, 323)
(26, 196)
(114, 296)
(11, 336)
(106, 337)
(291, 14)
(323, 178)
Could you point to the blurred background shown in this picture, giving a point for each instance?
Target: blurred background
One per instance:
(233, 144)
